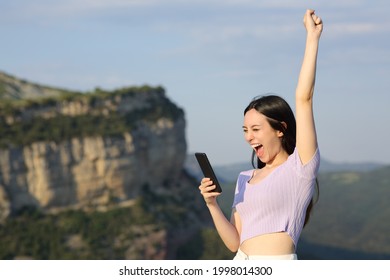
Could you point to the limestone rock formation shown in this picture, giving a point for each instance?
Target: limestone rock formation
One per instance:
(73, 161)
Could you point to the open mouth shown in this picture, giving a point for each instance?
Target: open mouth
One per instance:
(258, 149)
(256, 146)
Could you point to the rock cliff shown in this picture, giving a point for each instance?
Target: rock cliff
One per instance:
(78, 159)
(84, 150)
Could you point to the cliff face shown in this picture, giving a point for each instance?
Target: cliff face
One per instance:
(143, 145)
(92, 170)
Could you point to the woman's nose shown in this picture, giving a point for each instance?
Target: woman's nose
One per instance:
(248, 136)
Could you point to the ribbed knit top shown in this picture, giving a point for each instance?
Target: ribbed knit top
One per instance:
(278, 203)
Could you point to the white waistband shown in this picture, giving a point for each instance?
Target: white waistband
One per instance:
(242, 256)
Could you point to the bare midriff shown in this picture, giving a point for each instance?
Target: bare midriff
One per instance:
(278, 243)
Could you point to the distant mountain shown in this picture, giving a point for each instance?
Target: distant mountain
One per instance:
(329, 166)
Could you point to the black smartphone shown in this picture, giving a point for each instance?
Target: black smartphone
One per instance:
(207, 170)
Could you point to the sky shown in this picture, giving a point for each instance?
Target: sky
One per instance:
(212, 57)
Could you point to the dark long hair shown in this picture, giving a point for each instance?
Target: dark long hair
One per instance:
(280, 116)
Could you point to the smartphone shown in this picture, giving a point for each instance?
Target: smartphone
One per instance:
(207, 170)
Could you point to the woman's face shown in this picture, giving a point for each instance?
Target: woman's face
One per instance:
(265, 140)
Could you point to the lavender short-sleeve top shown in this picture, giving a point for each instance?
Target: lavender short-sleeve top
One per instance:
(278, 203)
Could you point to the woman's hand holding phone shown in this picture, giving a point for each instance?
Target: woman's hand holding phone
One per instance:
(207, 189)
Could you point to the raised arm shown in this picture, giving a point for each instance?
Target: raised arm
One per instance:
(306, 132)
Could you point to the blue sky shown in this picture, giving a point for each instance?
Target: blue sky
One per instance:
(213, 57)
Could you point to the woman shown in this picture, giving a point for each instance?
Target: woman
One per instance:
(271, 202)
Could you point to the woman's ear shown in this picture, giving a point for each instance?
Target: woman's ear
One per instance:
(280, 132)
